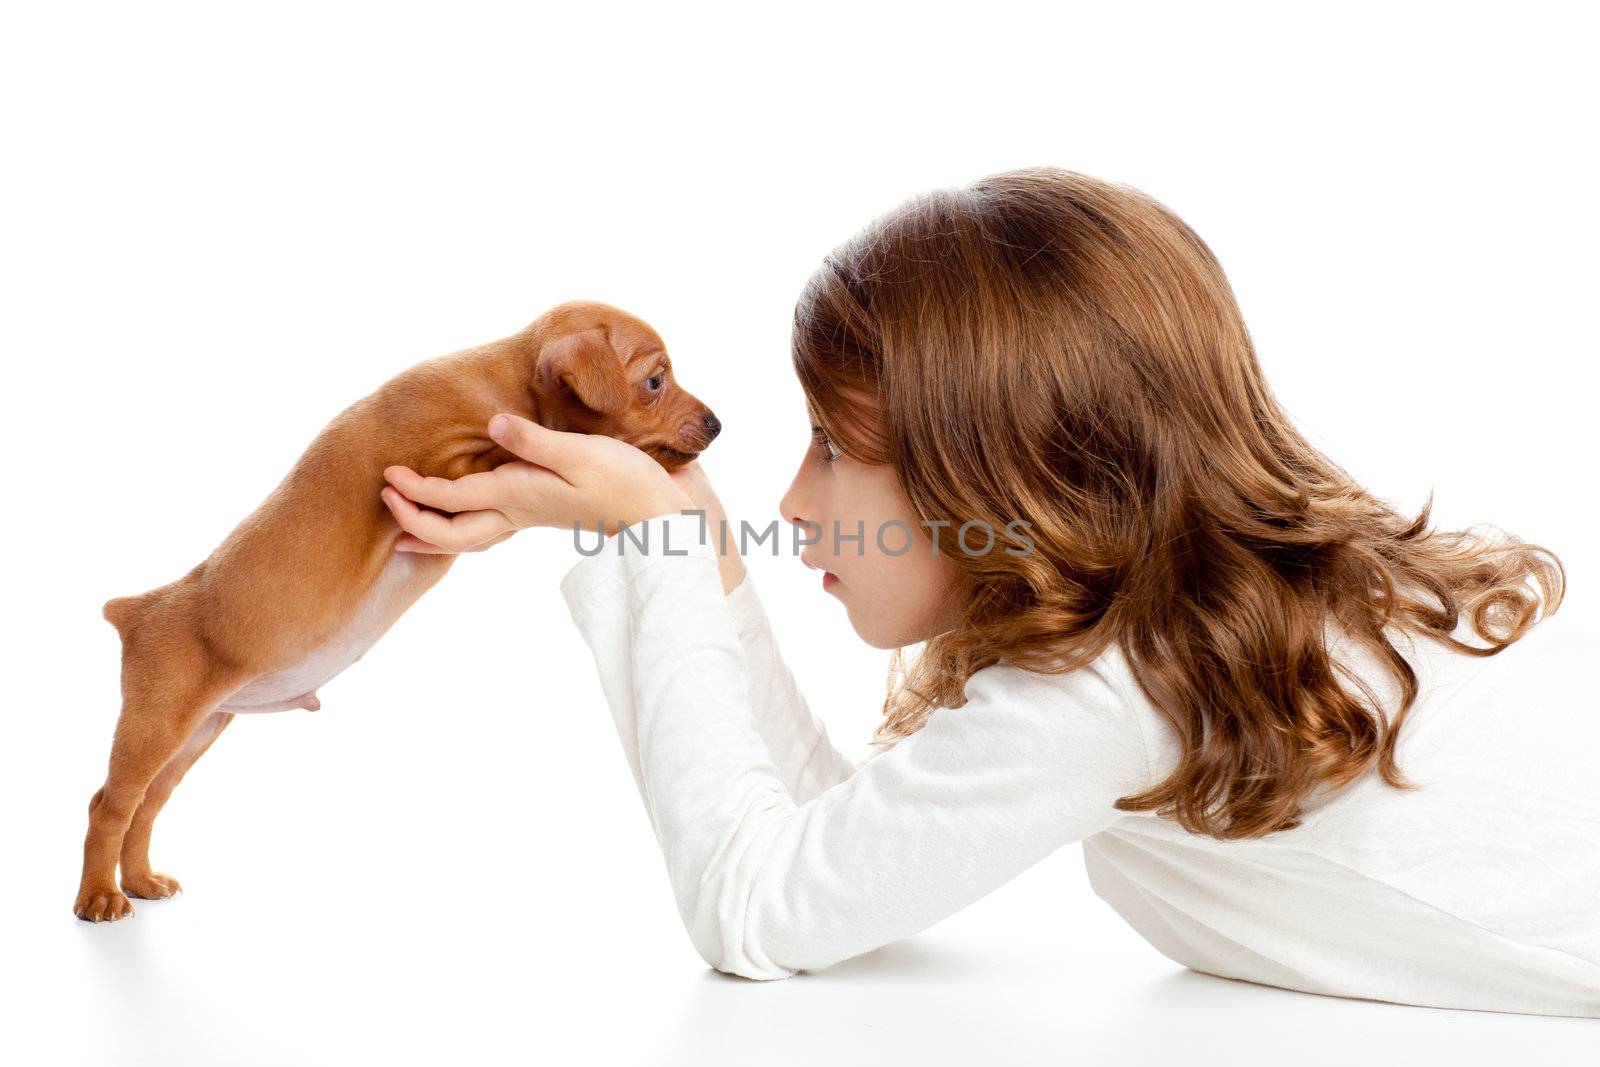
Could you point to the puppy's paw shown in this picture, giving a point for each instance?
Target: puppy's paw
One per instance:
(150, 886)
(101, 905)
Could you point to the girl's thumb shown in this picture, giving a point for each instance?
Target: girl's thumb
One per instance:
(530, 440)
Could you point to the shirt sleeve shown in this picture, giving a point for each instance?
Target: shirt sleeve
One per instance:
(768, 886)
(806, 758)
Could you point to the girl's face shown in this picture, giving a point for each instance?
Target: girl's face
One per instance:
(895, 589)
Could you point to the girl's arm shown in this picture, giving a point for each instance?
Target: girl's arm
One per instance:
(806, 759)
(767, 886)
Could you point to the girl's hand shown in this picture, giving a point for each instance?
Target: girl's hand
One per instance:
(691, 478)
(586, 479)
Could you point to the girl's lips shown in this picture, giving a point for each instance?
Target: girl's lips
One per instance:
(829, 579)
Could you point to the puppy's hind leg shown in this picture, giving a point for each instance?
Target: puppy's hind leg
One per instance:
(138, 880)
(167, 693)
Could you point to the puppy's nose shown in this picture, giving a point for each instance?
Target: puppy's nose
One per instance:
(713, 426)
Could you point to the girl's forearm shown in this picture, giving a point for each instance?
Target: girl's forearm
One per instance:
(730, 563)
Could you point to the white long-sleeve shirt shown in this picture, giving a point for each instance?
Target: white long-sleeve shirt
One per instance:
(1480, 890)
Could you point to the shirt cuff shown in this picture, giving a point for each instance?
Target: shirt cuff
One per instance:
(591, 582)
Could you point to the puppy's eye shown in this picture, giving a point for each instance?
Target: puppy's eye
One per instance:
(654, 384)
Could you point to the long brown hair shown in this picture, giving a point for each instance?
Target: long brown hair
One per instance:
(1045, 346)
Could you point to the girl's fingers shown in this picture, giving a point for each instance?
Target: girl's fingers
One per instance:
(493, 541)
(408, 543)
(472, 492)
(559, 451)
(453, 533)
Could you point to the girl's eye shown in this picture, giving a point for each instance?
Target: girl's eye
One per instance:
(830, 454)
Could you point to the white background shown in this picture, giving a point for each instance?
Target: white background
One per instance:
(224, 224)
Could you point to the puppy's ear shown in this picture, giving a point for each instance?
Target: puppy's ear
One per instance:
(586, 363)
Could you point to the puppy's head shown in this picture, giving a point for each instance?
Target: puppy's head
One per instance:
(598, 369)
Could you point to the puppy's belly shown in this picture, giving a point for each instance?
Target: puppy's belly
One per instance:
(403, 579)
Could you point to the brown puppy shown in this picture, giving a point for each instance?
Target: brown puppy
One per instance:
(310, 580)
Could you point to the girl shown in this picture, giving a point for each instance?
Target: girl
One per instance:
(1140, 594)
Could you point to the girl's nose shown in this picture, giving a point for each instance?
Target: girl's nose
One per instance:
(795, 506)
(789, 507)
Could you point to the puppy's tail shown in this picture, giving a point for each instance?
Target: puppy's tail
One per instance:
(119, 612)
